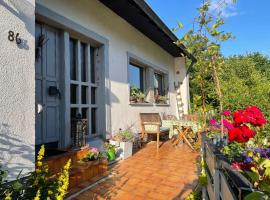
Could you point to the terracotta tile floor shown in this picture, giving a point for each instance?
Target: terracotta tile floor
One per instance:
(169, 174)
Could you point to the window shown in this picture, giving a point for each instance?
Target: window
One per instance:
(159, 84)
(135, 74)
(83, 85)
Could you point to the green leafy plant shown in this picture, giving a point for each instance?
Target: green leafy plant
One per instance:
(160, 99)
(110, 151)
(93, 154)
(136, 95)
(124, 136)
(233, 150)
(259, 175)
(38, 185)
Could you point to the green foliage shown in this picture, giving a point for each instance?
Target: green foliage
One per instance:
(203, 179)
(109, 147)
(233, 150)
(256, 196)
(136, 93)
(262, 138)
(94, 154)
(124, 136)
(245, 83)
(204, 42)
(110, 151)
(260, 177)
(37, 185)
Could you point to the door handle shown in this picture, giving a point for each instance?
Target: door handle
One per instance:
(39, 108)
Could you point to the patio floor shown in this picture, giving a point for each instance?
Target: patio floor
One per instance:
(169, 174)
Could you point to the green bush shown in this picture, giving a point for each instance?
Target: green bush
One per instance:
(245, 81)
(124, 136)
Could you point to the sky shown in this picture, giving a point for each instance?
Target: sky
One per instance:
(248, 20)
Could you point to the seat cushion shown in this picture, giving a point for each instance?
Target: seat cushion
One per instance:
(164, 129)
(151, 127)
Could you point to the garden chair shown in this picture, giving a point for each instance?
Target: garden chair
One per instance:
(151, 124)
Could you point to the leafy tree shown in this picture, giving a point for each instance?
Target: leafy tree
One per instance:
(245, 81)
(204, 41)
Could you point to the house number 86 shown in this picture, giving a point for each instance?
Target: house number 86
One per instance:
(12, 37)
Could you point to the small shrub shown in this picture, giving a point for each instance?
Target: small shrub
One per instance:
(124, 136)
(38, 185)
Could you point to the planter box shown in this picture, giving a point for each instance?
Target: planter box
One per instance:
(126, 149)
(86, 171)
(223, 182)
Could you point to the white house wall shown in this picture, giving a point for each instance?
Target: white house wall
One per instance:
(122, 38)
(17, 87)
(17, 72)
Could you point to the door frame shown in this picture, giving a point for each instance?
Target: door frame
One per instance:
(45, 15)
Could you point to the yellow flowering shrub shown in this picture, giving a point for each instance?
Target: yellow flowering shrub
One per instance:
(38, 185)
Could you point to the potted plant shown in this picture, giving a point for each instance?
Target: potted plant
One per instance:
(92, 155)
(159, 99)
(140, 97)
(136, 96)
(125, 138)
(133, 94)
(110, 151)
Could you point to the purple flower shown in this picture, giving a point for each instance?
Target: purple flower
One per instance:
(248, 159)
(264, 152)
(226, 113)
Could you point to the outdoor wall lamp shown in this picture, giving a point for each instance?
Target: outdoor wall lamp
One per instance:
(177, 85)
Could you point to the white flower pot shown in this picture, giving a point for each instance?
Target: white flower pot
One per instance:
(126, 149)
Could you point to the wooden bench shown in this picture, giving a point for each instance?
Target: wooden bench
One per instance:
(151, 124)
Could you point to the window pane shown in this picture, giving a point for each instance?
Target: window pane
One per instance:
(94, 120)
(72, 49)
(83, 63)
(93, 95)
(73, 94)
(158, 84)
(135, 75)
(93, 70)
(84, 94)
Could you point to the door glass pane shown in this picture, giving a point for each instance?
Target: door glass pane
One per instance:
(83, 63)
(94, 120)
(84, 95)
(73, 94)
(93, 95)
(85, 116)
(93, 70)
(73, 69)
(73, 113)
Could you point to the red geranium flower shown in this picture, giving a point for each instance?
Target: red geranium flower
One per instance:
(241, 134)
(251, 114)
